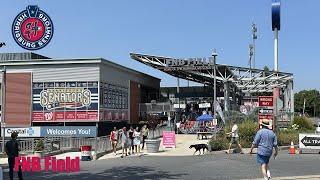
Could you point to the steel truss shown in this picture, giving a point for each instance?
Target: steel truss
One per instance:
(246, 80)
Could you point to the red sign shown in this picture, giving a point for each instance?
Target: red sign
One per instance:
(169, 139)
(65, 116)
(268, 117)
(265, 101)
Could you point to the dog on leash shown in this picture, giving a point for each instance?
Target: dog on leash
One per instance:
(198, 147)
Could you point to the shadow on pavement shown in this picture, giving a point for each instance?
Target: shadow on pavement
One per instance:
(119, 173)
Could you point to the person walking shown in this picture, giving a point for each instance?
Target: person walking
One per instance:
(144, 133)
(114, 140)
(234, 137)
(124, 141)
(12, 149)
(137, 140)
(265, 140)
(131, 146)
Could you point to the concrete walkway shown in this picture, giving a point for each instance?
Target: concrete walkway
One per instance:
(311, 177)
(183, 141)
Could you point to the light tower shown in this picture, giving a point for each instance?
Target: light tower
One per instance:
(275, 11)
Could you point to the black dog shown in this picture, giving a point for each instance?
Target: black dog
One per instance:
(198, 147)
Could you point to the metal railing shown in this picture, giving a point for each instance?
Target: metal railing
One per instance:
(26, 145)
(99, 144)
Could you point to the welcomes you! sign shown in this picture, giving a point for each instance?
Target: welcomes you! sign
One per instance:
(54, 131)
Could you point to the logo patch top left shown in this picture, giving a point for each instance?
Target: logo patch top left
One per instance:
(32, 29)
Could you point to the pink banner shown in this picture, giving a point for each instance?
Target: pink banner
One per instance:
(169, 139)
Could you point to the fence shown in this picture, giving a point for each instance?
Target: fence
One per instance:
(99, 144)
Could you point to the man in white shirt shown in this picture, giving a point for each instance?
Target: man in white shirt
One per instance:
(234, 137)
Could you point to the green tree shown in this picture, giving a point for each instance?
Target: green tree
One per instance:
(312, 102)
(266, 69)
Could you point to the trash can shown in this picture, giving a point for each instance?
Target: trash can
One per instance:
(86, 153)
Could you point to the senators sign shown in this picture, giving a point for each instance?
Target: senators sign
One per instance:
(65, 101)
(66, 97)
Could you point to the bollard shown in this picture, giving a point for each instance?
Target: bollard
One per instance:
(86, 153)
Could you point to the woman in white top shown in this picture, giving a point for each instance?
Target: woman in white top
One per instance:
(137, 140)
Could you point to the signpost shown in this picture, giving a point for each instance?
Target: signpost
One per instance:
(266, 110)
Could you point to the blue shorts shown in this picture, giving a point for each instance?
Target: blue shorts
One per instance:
(262, 159)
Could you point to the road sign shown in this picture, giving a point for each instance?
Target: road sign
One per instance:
(265, 111)
(265, 101)
(309, 141)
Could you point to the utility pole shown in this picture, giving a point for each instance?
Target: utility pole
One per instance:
(3, 112)
(3, 97)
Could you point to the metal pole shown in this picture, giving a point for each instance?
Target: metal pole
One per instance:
(276, 67)
(214, 84)
(214, 54)
(177, 113)
(3, 87)
(254, 37)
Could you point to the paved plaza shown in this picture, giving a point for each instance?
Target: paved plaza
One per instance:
(218, 166)
(179, 163)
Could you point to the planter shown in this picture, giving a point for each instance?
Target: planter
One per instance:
(153, 145)
(39, 154)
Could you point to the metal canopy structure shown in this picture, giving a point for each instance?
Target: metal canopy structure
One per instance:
(244, 79)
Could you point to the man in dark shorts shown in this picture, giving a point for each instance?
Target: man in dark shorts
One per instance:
(265, 140)
(234, 137)
(131, 146)
(12, 150)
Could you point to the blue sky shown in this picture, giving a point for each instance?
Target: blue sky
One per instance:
(177, 28)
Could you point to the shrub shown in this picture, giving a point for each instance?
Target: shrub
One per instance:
(286, 136)
(247, 131)
(153, 122)
(303, 122)
(39, 145)
(221, 143)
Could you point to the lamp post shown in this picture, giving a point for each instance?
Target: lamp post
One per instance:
(3, 89)
(214, 54)
(3, 95)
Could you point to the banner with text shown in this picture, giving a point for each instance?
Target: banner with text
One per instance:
(169, 139)
(65, 101)
(24, 132)
(68, 131)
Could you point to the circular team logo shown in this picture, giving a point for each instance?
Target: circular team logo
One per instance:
(32, 29)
